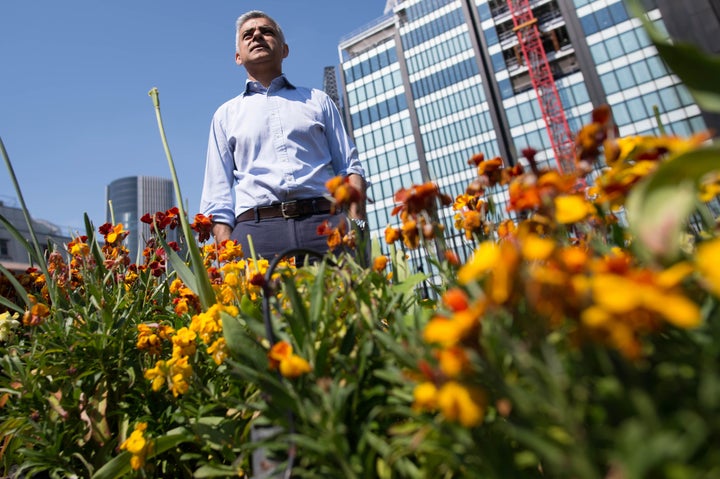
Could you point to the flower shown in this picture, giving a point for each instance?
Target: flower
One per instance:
(425, 396)
(203, 226)
(8, 322)
(707, 259)
(218, 351)
(294, 366)
(290, 365)
(138, 445)
(462, 404)
(379, 263)
(184, 342)
(572, 208)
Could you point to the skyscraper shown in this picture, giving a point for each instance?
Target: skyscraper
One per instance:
(433, 82)
(128, 199)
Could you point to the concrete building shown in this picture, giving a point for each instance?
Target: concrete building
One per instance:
(130, 198)
(13, 254)
(433, 82)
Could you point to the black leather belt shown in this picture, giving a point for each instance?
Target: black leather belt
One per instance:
(287, 210)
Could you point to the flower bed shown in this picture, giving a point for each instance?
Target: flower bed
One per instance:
(581, 340)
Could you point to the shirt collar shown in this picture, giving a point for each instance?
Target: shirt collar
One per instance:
(277, 84)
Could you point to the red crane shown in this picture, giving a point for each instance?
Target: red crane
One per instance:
(541, 76)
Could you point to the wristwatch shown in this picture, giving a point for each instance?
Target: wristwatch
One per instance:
(362, 224)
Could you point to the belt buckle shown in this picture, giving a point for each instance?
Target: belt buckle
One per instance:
(289, 209)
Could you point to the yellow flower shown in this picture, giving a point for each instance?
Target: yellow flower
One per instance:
(707, 259)
(615, 293)
(7, 324)
(218, 350)
(458, 403)
(537, 248)
(208, 323)
(137, 445)
(113, 235)
(452, 361)
(180, 374)
(425, 396)
(80, 249)
(184, 342)
(483, 259)
(294, 366)
(157, 375)
(572, 208)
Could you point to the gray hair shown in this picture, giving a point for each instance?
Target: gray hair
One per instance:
(256, 14)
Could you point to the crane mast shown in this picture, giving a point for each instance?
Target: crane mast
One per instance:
(541, 77)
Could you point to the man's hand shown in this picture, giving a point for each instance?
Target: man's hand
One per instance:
(221, 232)
(357, 209)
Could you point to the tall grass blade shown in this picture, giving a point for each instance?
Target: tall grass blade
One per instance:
(202, 281)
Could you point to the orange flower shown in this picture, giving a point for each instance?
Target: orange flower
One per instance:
(279, 351)
(392, 234)
(290, 365)
(456, 299)
(379, 263)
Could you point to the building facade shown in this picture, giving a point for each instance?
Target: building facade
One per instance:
(130, 198)
(433, 82)
(13, 254)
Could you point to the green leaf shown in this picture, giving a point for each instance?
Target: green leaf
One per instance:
(217, 471)
(240, 345)
(180, 267)
(298, 320)
(93, 243)
(250, 308)
(658, 207)
(409, 283)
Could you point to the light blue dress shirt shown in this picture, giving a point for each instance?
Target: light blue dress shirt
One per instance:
(276, 144)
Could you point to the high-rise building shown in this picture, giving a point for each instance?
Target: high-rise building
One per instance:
(330, 85)
(433, 82)
(128, 199)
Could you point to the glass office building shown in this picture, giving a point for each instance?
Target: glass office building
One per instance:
(128, 199)
(434, 82)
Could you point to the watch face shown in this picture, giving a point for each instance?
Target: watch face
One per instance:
(360, 223)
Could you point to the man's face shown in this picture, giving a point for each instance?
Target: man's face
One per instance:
(259, 42)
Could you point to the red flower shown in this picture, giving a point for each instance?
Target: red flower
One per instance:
(202, 226)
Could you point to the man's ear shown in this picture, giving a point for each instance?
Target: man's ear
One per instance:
(238, 60)
(286, 50)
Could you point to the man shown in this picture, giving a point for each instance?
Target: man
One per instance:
(271, 150)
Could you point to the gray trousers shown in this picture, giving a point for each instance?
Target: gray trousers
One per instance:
(272, 236)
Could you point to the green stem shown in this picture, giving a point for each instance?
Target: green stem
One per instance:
(661, 127)
(205, 291)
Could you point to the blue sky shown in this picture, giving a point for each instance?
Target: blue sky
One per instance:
(74, 109)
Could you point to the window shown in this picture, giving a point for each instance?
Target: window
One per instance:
(599, 53)
(4, 247)
(641, 72)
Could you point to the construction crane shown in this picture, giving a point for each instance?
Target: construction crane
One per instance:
(541, 77)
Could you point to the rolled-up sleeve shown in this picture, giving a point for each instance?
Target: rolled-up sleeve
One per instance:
(217, 197)
(344, 154)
